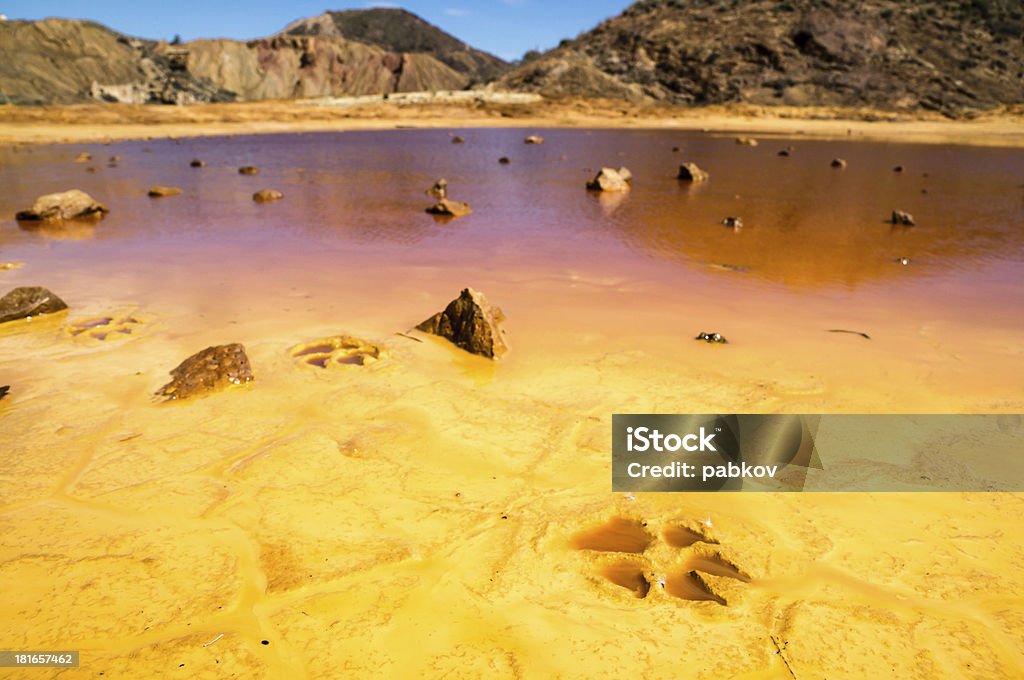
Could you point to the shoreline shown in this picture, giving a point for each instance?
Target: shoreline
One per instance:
(91, 123)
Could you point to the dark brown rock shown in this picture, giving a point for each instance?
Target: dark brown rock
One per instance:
(458, 140)
(208, 370)
(504, 160)
(734, 222)
(690, 172)
(838, 163)
(197, 164)
(470, 322)
(4, 389)
(449, 208)
(161, 192)
(267, 195)
(248, 170)
(66, 205)
(25, 302)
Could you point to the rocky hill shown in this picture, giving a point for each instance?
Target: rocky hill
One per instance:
(61, 61)
(56, 61)
(397, 30)
(889, 54)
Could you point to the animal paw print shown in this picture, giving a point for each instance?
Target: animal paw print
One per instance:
(339, 349)
(683, 559)
(105, 327)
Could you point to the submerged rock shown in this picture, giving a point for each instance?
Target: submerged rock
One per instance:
(838, 163)
(83, 157)
(714, 338)
(267, 195)
(197, 164)
(734, 222)
(248, 170)
(458, 140)
(161, 192)
(898, 168)
(504, 160)
(903, 218)
(29, 301)
(533, 139)
(690, 172)
(66, 205)
(211, 369)
(610, 179)
(448, 208)
(470, 322)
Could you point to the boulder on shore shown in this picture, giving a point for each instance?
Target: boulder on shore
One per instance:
(28, 301)
(161, 192)
(610, 179)
(449, 208)
(692, 173)
(211, 369)
(470, 322)
(66, 205)
(267, 195)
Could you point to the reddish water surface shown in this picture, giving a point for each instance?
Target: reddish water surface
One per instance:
(643, 271)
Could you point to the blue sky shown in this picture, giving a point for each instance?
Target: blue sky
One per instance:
(507, 28)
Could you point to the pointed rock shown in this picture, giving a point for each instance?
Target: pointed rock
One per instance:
(470, 322)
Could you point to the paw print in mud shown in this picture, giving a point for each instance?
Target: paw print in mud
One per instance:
(680, 558)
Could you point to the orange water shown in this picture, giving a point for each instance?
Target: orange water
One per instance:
(351, 246)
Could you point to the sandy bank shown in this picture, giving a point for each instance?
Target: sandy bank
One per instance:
(99, 122)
